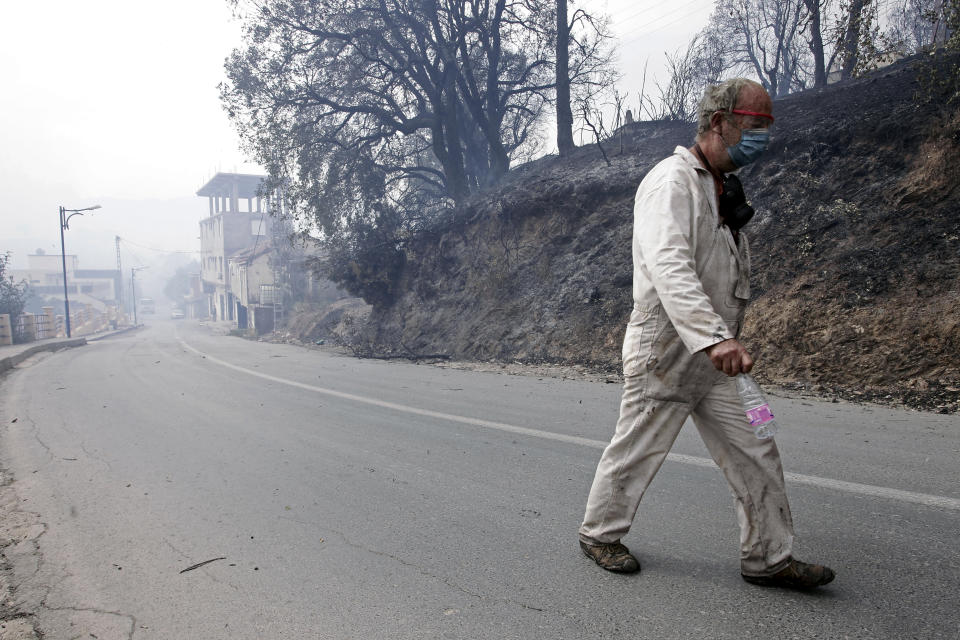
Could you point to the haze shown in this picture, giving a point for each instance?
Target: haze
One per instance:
(116, 103)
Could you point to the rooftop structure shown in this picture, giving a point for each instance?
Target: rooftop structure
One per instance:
(245, 185)
(226, 192)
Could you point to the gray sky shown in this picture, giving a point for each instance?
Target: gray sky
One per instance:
(115, 102)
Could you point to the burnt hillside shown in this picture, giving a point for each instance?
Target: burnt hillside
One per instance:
(856, 248)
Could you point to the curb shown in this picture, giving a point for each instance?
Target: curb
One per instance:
(10, 362)
(116, 332)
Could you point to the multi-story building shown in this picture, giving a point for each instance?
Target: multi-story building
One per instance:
(44, 274)
(239, 220)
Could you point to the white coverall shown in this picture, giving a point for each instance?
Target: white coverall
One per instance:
(690, 288)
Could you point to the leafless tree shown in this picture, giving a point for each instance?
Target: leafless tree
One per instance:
(650, 108)
(793, 44)
(786, 44)
(584, 66)
(565, 143)
(771, 41)
(677, 96)
(703, 62)
(915, 25)
(815, 19)
(592, 118)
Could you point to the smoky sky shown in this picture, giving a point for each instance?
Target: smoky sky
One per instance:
(115, 103)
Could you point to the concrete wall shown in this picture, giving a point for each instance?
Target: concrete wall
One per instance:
(258, 273)
(6, 330)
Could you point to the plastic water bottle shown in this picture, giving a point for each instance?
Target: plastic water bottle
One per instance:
(756, 407)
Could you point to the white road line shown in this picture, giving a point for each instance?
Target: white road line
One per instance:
(943, 502)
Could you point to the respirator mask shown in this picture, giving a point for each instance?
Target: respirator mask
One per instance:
(732, 200)
(752, 144)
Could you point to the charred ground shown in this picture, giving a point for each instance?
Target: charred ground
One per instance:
(856, 250)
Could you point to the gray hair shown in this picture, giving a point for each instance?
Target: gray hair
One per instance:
(720, 97)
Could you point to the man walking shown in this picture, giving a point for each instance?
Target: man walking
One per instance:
(691, 270)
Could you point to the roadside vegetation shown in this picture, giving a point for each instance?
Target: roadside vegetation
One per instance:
(13, 295)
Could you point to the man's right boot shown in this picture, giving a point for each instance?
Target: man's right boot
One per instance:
(796, 575)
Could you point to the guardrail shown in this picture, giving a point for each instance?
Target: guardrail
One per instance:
(30, 327)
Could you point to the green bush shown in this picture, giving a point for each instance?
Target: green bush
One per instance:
(13, 295)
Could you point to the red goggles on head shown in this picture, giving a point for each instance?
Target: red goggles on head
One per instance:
(741, 112)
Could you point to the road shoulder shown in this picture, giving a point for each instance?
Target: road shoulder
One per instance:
(19, 550)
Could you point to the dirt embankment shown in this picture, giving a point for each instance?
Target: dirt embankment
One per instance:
(857, 255)
(856, 248)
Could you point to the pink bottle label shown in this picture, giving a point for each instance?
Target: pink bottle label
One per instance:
(759, 415)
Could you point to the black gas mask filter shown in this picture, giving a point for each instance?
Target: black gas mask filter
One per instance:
(733, 203)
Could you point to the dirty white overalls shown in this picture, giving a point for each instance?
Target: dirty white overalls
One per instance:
(690, 289)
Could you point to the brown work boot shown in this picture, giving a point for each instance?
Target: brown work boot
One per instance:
(796, 575)
(612, 557)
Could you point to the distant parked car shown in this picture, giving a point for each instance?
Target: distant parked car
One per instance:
(176, 314)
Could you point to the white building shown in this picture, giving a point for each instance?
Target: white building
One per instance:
(44, 274)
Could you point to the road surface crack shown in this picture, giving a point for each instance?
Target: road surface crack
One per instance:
(43, 444)
(21, 560)
(101, 612)
(170, 544)
(421, 570)
(92, 456)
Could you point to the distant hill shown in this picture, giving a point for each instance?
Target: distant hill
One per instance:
(856, 250)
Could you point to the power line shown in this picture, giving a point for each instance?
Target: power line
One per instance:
(641, 34)
(628, 18)
(632, 35)
(661, 22)
(134, 255)
(143, 246)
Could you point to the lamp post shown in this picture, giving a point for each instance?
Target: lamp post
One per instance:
(133, 290)
(64, 225)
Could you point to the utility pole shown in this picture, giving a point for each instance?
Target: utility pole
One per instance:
(63, 256)
(133, 293)
(64, 225)
(120, 271)
(133, 290)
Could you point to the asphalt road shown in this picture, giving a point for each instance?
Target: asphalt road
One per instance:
(367, 499)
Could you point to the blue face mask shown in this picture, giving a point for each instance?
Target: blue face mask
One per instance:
(753, 142)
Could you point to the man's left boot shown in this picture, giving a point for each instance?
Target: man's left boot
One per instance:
(611, 556)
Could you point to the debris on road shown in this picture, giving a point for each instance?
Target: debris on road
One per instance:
(200, 564)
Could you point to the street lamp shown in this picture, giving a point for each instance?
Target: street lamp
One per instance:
(133, 290)
(64, 225)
